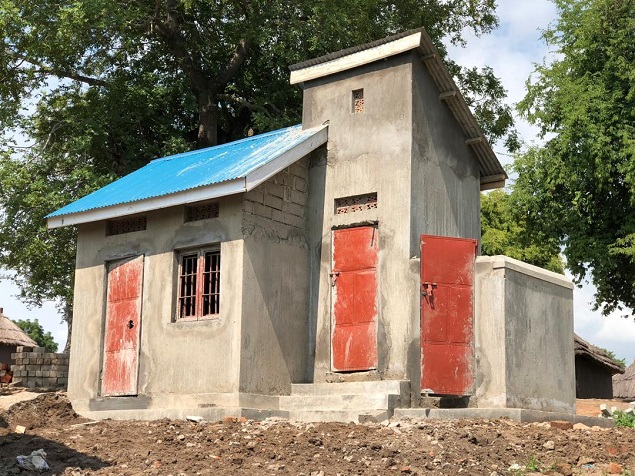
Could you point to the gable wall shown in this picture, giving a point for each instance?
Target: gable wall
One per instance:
(274, 330)
(176, 358)
(445, 172)
(367, 152)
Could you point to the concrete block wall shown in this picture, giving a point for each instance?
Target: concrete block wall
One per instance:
(278, 205)
(36, 368)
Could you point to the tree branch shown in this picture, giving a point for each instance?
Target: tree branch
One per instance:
(74, 76)
(238, 59)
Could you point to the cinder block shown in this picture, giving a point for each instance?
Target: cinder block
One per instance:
(248, 206)
(51, 382)
(287, 179)
(287, 219)
(38, 373)
(23, 348)
(299, 184)
(298, 170)
(62, 381)
(293, 209)
(46, 361)
(53, 373)
(33, 367)
(39, 350)
(255, 196)
(39, 361)
(273, 202)
(262, 210)
(275, 189)
(298, 197)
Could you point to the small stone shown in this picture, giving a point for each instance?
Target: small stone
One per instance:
(582, 460)
(406, 469)
(581, 426)
(561, 425)
(614, 468)
(549, 445)
(20, 429)
(180, 437)
(564, 469)
(194, 418)
(516, 467)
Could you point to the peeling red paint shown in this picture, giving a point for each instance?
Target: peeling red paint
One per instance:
(447, 310)
(123, 325)
(354, 281)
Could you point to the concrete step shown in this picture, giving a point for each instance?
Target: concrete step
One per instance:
(338, 402)
(344, 416)
(394, 387)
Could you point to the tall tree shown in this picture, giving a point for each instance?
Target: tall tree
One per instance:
(36, 332)
(504, 231)
(580, 186)
(103, 86)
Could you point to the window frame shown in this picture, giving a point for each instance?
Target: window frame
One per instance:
(199, 284)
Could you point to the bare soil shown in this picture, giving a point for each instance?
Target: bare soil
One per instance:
(75, 446)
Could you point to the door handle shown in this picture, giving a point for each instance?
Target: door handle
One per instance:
(130, 324)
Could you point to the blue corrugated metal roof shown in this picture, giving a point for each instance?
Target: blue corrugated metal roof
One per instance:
(199, 168)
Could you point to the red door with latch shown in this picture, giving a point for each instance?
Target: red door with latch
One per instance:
(447, 310)
(123, 325)
(354, 285)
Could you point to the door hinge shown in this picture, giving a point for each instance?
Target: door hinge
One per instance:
(427, 289)
(334, 275)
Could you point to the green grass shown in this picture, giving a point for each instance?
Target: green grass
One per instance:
(624, 419)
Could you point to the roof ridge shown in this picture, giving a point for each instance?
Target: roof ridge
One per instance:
(226, 144)
(354, 49)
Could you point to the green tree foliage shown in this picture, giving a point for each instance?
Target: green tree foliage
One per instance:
(36, 332)
(101, 87)
(504, 231)
(579, 186)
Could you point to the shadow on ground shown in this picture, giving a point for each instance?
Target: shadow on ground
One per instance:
(59, 457)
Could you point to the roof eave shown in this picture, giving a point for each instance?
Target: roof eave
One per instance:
(209, 192)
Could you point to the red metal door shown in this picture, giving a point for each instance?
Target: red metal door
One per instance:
(447, 288)
(354, 283)
(123, 325)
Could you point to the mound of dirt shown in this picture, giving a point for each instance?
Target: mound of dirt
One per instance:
(48, 409)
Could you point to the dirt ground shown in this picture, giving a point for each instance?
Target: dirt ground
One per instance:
(75, 446)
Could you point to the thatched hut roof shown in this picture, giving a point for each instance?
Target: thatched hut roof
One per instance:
(10, 334)
(624, 385)
(583, 348)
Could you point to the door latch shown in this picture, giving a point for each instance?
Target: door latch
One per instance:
(334, 275)
(130, 324)
(427, 289)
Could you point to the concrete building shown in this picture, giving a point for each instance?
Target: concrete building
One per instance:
(348, 248)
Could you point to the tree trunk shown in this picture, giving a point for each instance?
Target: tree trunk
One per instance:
(207, 120)
(68, 318)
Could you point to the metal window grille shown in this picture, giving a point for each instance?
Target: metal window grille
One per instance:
(358, 101)
(199, 285)
(128, 225)
(202, 212)
(355, 203)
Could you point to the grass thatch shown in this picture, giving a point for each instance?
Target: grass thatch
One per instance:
(10, 334)
(624, 385)
(596, 354)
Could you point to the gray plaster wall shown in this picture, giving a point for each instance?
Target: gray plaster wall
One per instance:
(176, 358)
(407, 147)
(367, 152)
(274, 329)
(445, 173)
(523, 337)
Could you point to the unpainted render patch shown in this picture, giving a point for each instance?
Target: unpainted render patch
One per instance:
(356, 203)
(127, 225)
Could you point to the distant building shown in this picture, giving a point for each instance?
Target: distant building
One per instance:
(624, 384)
(594, 370)
(11, 336)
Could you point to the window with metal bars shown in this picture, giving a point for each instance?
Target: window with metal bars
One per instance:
(199, 285)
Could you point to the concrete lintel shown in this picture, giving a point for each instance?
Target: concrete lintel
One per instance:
(517, 414)
(500, 261)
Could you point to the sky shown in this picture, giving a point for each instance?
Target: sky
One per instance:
(511, 50)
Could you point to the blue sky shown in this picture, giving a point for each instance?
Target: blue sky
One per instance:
(511, 50)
